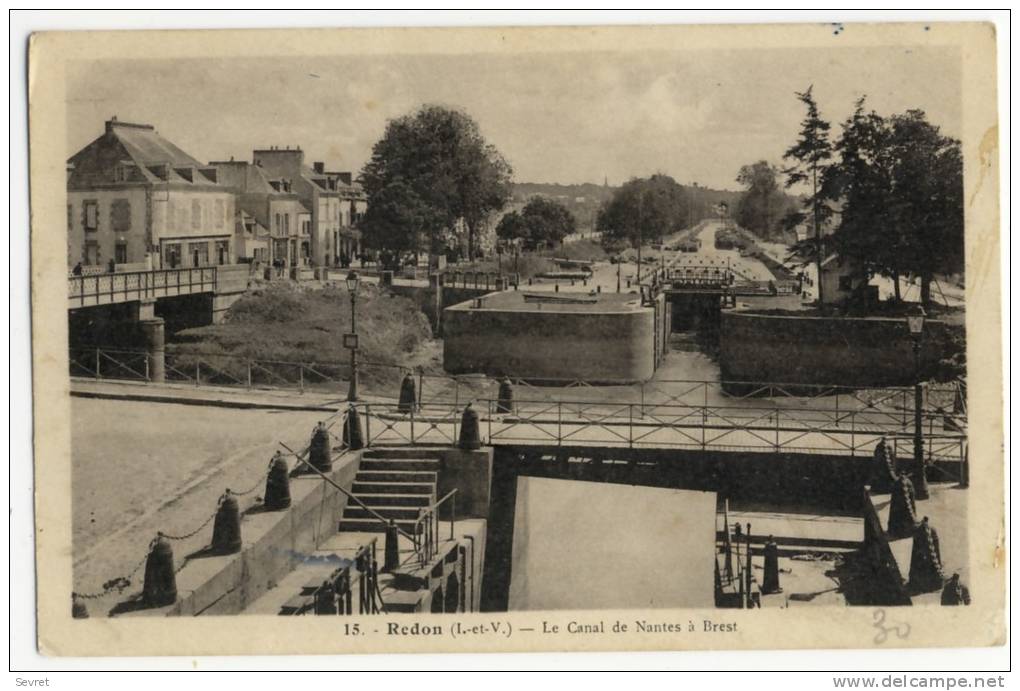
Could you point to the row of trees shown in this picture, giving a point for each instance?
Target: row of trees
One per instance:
(643, 209)
(897, 185)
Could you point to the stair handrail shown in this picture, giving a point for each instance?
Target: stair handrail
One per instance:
(372, 512)
(425, 541)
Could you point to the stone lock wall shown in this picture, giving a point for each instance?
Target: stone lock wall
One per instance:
(825, 350)
(551, 345)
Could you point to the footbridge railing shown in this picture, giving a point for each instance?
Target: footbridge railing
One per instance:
(713, 427)
(108, 288)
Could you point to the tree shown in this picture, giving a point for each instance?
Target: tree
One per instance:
(926, 200)
(900, 184)
(641, 210)
(542, 222)
(511, 227)
(861, 180)
(810, 154)
(762, 204)
(395, 223)
(442, 157)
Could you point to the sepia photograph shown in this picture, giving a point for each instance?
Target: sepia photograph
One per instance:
(548, 338)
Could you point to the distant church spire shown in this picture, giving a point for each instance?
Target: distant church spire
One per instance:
(605, 183)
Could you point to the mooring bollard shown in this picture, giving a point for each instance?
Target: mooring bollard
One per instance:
(277, 485)
(770, 580)
(408, 396)
(226, 537)
(925, 559)
(78, 608)
(883, 468)
(902, 509)
(352, 430)
(469, 435)
(505, 398)
(319, 453)
(391, 551)
(160, 587)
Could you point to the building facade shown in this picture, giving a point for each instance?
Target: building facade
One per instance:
(334, 203)
(135, 198)
(278, 217)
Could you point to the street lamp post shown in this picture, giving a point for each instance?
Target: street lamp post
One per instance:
(351, 339)
(916, 326)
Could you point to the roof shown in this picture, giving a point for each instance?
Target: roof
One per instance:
(243, 176)
(135, 153)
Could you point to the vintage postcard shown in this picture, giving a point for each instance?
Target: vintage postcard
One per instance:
(516, 339)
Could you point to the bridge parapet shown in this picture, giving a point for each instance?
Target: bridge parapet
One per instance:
(128, 286)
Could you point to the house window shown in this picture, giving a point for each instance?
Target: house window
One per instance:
(196, 214)
(846, 283)
(286, 224)
(199, 253)
(306, 227)
(120, 215)
(276, 227)
(222, 251)
(172, 255)
(221, 213)
(91, 253)
(120, 253)
(91, 214)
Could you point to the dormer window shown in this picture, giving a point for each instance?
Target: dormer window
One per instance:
(122, 172)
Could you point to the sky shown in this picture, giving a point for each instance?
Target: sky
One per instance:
(697, 115)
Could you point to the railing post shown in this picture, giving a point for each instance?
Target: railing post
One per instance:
(97, 363)
(630, 425)
(368, 425)
(853, 437)
(412, 424)
(301, 378)
(248, 362)
(559, 423)
(453, 512)
(198, 372)
(146, 367)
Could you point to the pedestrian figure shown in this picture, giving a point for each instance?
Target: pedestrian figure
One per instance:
(955, 592)
(111, 266)
(77, 269)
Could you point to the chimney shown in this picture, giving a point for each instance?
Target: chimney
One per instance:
(319, 167)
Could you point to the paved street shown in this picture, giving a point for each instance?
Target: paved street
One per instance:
(166, 474)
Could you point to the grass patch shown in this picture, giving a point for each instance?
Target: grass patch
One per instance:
(285, 323)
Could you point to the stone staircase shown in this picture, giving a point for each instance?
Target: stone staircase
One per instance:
(395, 483)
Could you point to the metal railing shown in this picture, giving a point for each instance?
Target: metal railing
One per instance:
(762, 428)
(383, 381)
(107, 288)
(427, 539)
(336, 594)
